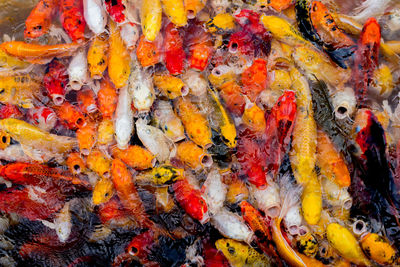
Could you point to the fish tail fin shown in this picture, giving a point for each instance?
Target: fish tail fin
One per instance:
(289, 193)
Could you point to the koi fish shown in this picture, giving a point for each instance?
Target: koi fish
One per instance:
(87, 101)
(200, 49)
(193, 7)
(38, 21)
(78, 70)
(196, 125)
(232, 226)
(32, 136)
(103, 191)
(190, 200)
(138, 248)
(174, 53)
(127, 193)
(303, 152)
(170, 86)
(70, 115)
(46, 177)
(116, 10)
(161, 175)
(39, 207)
(148, 53)
(19, 89)
(86, 137)
(130, 35)
(38, 54)
(237, 190)
(95, 15)
(107, 98)
(346, 244)
(168, 121)
(366, 59)
(221, 23)
(254, 118)
(192, 155)
(241, 255)
(267, 199)
(72, 18)
(231, 94)
(379, 249)
(214, 191)
(196, 82)
(105, 132)
(151, 17)
(55, 80)
(175, 11)
(331, 162)
(97, 58)
(75, 163)
(135, 157)
(123, 122)
(43, 117)
(118, 58)
(99, 163)
(255, 79)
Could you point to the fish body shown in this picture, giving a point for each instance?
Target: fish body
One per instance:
(175, 11)
(105, 132)
(87, 138)
(161, 175)
(55, 80)
(331, 162)
(221, 120)
(36, 53)
(95, 15)
(379, 249)
(19, 89)
(214, 191)
(151, 17)
(168, 121)
(72, 18)
(241, 255)
(221, 23)
(135, 157)
(232, 226)
(267, 199)
(303, 152)
(97, 57)
(255, 79)
(127, 193)
(99, 163)
(39, 20)
(123, 121)
(231, 94)
(346, 244)
(154, 140)
(366, 58)
(43, 117)
(130, 35)
(174, 54)
(29, 135)
(170, 86)
(190, 199)
(78, 70)
(141, 89)
(118, 58)
(196, 125)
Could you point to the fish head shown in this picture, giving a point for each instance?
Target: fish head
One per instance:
(43, 117)
(103, 191)
(246, 16)
(231, 249)
(371, 32)
(240, 42)
(221, 75)
(139, 246)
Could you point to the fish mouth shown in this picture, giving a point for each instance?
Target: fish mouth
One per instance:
(58, 99)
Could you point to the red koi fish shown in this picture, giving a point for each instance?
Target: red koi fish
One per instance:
(39, 20)
(252, 157)
(55, 80)
(366, 59)
(259, 226)
(200, 47)
(10, 111)
(138, 248)
(112, 211)
(190, 200)
(241, 42)
(280, 122)
(87, 101)
(255, 79)
(174, 54)
(72, 18)
(42, 175)
(250, 22)
(115, 8)
(31, 202)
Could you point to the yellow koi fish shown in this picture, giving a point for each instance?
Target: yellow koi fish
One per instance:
(119, 58)
(151, 16)
(19, 89)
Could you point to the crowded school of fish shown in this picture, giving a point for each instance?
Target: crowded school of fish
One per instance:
(201, 133)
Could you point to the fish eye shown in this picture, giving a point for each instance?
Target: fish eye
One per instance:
(231, 250)
(2, 90)
(106, 194)
(133, 251)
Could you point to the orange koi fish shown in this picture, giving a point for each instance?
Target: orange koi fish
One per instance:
(135, 157)
(70, 115)
(75, 163)
(36, 53)
(148, 53)
(86, 137)
(255, 79)
(38, 21)
(86, 99)
(232, 95)
(107, 98)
